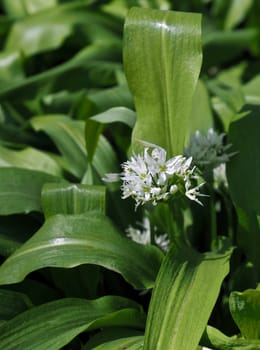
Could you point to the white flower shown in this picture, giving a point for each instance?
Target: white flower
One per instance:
(162, 241)
(208, 149)
(150, 177)
(143, 236)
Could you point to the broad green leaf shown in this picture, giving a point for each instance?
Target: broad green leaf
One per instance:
(187, 285)
(214, 339)
(68, 135)
(20, 190)
(29, 158)
(72, 199)
(131, 343)
(245, 310)
(162, 60)
(12, 303)
(243, 170)
(53, 325)
(90, 238)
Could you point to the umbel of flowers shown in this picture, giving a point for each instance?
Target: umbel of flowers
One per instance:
(151, 177)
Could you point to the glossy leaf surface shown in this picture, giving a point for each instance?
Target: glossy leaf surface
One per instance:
(162, 59)
(90, 238)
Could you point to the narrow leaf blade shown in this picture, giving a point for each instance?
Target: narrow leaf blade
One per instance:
(180, 294)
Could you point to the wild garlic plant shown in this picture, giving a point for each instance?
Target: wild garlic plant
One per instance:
(151, 177)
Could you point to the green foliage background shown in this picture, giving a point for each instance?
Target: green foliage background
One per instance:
(79, 86)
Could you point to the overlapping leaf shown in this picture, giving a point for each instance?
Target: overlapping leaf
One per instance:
(90, 238)
(53, 325)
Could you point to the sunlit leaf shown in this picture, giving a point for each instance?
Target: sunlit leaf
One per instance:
(90, 238)
(181, 294)
(162, 59)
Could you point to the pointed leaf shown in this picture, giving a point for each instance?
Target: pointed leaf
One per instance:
(90, 238)
(162, 60)
(53, 325)
(180, 295)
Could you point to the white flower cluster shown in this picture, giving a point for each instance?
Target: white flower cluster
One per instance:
(143, 236)
(149, 177)
(208, 149)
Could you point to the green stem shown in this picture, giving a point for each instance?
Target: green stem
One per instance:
(213, 220)
(212, 203)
